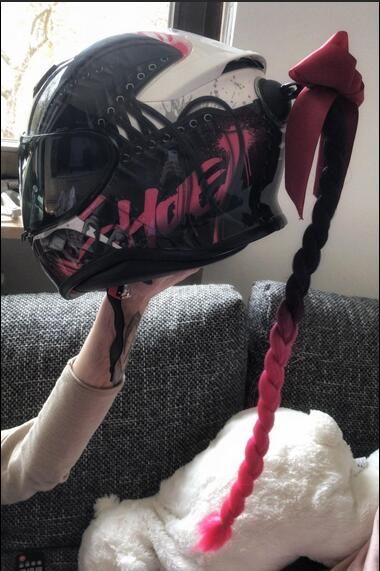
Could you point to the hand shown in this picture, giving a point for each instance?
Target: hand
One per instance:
(142, 292)
(92, 366)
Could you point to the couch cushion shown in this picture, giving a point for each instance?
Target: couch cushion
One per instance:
(186, 377)
(335, 364)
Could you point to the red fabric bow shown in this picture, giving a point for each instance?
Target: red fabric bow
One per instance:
(327, 73)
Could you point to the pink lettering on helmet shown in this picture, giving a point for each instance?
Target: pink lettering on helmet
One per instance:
(92, 207)
(165, 216)
(147, 219)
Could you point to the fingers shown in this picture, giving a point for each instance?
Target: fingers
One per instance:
(180, 276)
(174, 279)
(147, 290)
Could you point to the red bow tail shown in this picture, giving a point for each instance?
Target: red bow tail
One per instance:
(326, 74)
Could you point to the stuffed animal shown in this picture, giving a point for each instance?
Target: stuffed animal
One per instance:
(313, 499)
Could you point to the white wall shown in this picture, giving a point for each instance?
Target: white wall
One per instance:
(284, 32)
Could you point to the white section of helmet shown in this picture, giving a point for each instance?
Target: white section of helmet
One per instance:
(201, 73)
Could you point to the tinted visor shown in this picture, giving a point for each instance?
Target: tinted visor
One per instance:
(60, 173)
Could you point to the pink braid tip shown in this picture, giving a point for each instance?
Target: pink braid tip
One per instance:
(214, 534)
(216, 529)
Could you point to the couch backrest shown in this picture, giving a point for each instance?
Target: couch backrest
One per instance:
(185, 379)
(335, 363)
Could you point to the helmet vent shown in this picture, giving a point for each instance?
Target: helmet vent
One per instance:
(242, 64)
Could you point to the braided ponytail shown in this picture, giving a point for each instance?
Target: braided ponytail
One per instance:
(216, 529)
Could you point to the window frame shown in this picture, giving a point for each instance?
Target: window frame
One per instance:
(204, 18)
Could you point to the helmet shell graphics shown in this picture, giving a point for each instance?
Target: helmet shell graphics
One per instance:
(146, 154)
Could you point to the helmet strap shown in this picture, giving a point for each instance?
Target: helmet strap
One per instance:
(114, 296)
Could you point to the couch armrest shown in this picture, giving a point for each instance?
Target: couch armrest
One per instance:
(335, 363)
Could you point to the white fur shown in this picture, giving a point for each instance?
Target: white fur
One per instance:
(310, 501)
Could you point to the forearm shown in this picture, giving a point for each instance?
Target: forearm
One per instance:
(40, 454)
(92, 365)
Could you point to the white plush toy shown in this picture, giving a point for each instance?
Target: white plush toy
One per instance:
(313, 499)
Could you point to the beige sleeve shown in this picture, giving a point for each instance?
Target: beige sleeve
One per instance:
(39, 454)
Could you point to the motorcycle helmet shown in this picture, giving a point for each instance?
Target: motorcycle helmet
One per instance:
(147, 154)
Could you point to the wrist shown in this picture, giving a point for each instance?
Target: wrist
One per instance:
(91, 372)
(92, 365)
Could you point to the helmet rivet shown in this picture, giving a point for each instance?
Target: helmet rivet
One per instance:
(207, 117)
(101, 122)
(120, 98)
(152, 66)
(110, 110)
(130, 86)
(193, 123)
(140, 76)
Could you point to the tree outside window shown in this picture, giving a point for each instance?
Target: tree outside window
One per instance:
(37, 35)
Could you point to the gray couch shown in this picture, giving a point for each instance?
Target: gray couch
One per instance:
(195, 363)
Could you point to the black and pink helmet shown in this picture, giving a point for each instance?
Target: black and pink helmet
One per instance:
(147, 154)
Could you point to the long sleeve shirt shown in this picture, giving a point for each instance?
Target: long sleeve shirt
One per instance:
(40, 453)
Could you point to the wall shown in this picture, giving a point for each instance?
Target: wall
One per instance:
(284, 32)
(20, 269)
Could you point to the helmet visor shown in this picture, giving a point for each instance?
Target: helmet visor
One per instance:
(60, 173)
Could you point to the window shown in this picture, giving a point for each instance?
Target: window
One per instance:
(36, 35)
